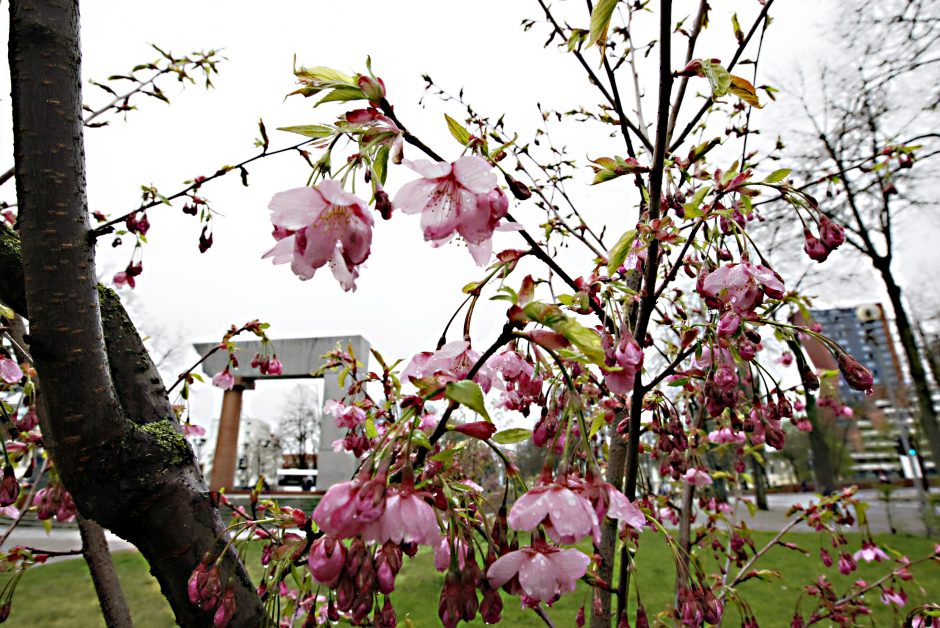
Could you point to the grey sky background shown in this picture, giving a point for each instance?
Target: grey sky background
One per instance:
(407, 290)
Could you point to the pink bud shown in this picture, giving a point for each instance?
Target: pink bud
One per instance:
(832, 234)
(225, 610)
(856, 376)
(372, 88)
(9, 487)
(478, 429)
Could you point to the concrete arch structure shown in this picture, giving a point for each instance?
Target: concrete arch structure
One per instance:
(300, 357)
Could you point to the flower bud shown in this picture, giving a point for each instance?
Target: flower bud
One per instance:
(225, 610)
(478, 429)
(856, 376)
(832, 234)
(326, 560)
(9, 487)
(815, 247)
(371, 87)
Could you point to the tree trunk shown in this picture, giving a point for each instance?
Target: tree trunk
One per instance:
(915, 364)
(822, 457)
(107, 586)
(760, 484)
(108, 424)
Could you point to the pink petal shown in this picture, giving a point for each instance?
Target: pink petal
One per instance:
(430, 169)
(538, 577)
(282, 252)
(441, 215)
(10, 371)
(413, 197)
(482, 253)
(475, 174)
(296, 208)
(570, 565)
(505, 568)
(345, 274)
(528, 511)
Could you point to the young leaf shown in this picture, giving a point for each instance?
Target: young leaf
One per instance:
(600, 21)
(743, 89)
(620, 251)
(777, 175)
(468, 393)
(456, 129)
(309, 130)
(511, 436)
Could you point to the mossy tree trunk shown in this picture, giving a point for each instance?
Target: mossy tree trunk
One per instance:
(107, 420)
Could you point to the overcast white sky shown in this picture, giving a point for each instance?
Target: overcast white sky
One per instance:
(407, 290)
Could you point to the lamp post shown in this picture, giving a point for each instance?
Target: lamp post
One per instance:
(871, 313)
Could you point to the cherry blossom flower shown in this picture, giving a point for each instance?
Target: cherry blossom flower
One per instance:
(10, 371)
(191, 429)
(450, 363)
(348, 417)
(459, 198)
(319, 226)
(628, 356)
(740, 287)
(567, 516)
(407, 519)
(697, 477)
(224, 380)
(348, 507)
(870, 552)
(726, 435)
(889, 596)
(623, 510)
(545, 572)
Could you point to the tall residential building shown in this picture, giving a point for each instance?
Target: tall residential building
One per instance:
(864, 332)
(869, 342)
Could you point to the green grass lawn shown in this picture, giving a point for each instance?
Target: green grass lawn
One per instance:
(61, 594)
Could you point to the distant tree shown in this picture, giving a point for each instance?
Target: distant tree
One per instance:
(299, 428)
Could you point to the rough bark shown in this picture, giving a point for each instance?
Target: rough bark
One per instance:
(108, 425)
(926, 414)
(107, 586)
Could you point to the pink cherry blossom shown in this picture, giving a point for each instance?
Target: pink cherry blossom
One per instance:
(450, 363)
(545, 572)
(224, 380)
(740, 287)
(623, 509)
(343, 512)
(697, 477)
(407, 519)
(348, 417)
(628, 356)
(10, 371)
(870, 552)
(319, 226)
(326, 559)
(726, 435)
(459, 198)
(567, 516)
(889, 596)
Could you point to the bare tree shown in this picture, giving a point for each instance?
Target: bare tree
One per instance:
(872, 130)
(299, 428)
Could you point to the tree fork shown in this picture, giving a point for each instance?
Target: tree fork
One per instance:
(118, 448)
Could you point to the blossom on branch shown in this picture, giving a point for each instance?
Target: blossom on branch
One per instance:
(459, 198)
(319, 226)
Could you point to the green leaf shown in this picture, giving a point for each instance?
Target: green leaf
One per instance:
(371, 432)
(468, 393)
(309, 130)
(6, 312)
(511, 436)
(419, 438)
(600, 21)
(620, 251)
(597, 424)
(718, 78)
(692, 207)
(456, 129)
(583, 338)
(380, 164)
(778, 175)
(342, 94)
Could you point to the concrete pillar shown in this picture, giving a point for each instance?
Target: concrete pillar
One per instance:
(226, 442)
(332, 466)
